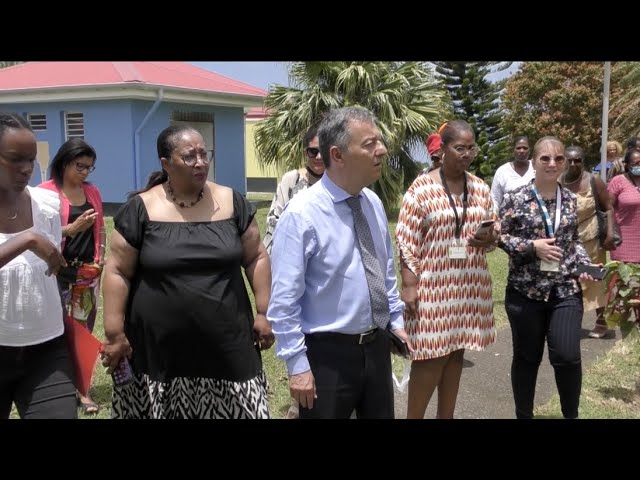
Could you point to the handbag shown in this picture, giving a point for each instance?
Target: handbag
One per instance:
(83, 349)
(602, 219)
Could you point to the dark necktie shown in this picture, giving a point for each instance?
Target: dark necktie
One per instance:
(375, 277)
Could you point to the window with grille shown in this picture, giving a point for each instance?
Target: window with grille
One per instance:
(179, 116)
(73, 125)
(38, 121)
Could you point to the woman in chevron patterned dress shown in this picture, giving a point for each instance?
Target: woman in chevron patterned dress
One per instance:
(446, 284)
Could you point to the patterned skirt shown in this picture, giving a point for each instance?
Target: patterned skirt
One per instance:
(191, 397)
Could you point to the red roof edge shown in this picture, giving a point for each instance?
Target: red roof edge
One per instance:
(128, 72)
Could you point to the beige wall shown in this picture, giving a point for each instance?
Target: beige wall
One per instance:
(43, 159)
(253, 169)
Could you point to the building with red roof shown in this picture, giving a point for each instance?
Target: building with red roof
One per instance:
(121, 107)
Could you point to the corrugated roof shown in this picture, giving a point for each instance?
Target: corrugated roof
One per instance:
(181, 75)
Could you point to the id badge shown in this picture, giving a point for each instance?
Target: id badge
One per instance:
(548, 266)
(458, 251)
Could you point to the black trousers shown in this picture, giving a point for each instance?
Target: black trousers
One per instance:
(558, 321)
(39, 380)
(350, 376)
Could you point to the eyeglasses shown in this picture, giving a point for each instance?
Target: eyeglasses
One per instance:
(460, 150)
(547, 159)
(81, 167)
(312, 152)
(190, 159)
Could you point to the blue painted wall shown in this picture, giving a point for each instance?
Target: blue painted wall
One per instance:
(149, 161)
(228, 136)
(110, 127)
(230, 155)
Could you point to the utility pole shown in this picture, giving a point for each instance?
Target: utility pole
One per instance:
(605, 121)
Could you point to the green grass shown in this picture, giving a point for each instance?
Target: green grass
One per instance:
(499, 269)
(610, 387)
(260, 197)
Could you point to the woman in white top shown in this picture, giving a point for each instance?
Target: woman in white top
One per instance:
(512, 174)
(36, 372)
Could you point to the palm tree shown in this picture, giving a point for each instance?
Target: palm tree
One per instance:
(405, 97)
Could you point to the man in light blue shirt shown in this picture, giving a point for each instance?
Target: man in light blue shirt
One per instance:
(322, 305)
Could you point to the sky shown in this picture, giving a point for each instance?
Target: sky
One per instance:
(264, 74)
(258, 74)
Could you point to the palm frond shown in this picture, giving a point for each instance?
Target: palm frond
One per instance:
(408, 102)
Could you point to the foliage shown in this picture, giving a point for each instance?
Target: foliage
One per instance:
(563, 99)
(476, 100)
(623, 287)
(8, 64)
(624, 110)
(405, 97)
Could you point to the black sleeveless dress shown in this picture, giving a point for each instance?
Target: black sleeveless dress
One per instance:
(189, 320)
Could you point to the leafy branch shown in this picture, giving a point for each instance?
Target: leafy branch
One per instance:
(623, 296)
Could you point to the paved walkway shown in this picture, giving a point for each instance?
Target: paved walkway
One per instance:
(485, 386)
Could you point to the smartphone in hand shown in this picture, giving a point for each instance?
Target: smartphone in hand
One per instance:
(485, 225)
(123, 373)
(398, 345)
(596, 272)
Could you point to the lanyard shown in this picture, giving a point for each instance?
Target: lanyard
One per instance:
(459, 221)
(551, 229)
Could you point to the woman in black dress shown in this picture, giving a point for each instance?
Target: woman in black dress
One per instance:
(175, 301)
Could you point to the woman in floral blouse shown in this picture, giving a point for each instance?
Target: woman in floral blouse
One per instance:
(539, 232)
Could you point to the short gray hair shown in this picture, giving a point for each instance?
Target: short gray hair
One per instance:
(333, 130)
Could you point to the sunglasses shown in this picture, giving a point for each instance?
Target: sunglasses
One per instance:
(312, 152)
(559, 160)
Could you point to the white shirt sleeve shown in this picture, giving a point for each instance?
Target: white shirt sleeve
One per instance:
(497, 189)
